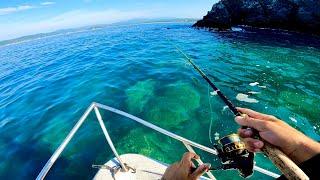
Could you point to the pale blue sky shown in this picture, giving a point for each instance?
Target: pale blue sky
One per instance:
(22, 17)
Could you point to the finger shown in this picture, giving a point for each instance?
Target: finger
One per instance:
(257, 124)
(244, 133)
(186, 159)
(253, 145)
(200, 171)
(252, 113)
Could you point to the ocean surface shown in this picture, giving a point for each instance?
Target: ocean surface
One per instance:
(46, 84)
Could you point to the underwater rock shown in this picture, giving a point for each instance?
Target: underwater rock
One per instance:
(297, 15)
(138, 141)
(139, 94)
(174, 106)
(167, 113)
(144, 142)
(184, 94)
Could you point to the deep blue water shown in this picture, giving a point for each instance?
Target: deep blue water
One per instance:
(47, 83)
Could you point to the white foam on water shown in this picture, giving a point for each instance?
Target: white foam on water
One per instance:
(224, 108)
(293, 119)
(253, 84)
(262, 87)
(213, 93)
(254, 92)
(216, 136)
(257, 65)
(245, 98)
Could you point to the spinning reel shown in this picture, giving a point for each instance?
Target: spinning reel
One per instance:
(234, 155)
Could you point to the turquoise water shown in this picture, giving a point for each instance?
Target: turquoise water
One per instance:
(47, 83)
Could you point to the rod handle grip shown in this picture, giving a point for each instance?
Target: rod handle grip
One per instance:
(288, 168)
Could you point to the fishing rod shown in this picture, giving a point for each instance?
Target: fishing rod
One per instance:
(233, 153)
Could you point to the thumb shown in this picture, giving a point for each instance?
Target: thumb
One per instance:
(200, 171)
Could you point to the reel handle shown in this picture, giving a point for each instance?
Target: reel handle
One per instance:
(288, 168)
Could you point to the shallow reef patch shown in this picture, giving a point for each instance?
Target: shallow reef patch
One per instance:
(139, 94)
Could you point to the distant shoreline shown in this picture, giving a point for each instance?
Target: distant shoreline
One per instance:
(31, 37)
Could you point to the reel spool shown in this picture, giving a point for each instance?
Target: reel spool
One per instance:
(234, 155)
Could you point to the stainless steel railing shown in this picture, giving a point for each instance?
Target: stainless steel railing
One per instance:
(95, 106)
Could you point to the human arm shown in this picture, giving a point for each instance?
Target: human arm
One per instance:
(293, 143)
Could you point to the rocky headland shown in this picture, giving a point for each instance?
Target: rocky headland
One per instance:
(296, 15)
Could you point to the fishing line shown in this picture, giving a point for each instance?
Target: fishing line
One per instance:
(210, 126)
(205, 77)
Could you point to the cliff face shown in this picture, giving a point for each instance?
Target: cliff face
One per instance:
(298, 15)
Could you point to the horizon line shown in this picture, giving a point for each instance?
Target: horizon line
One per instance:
(30, 37)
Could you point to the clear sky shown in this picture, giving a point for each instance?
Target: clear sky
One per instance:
(24, 17)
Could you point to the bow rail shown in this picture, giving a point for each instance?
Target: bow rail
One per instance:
(95, 107)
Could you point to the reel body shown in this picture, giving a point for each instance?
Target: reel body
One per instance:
(234, 155)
